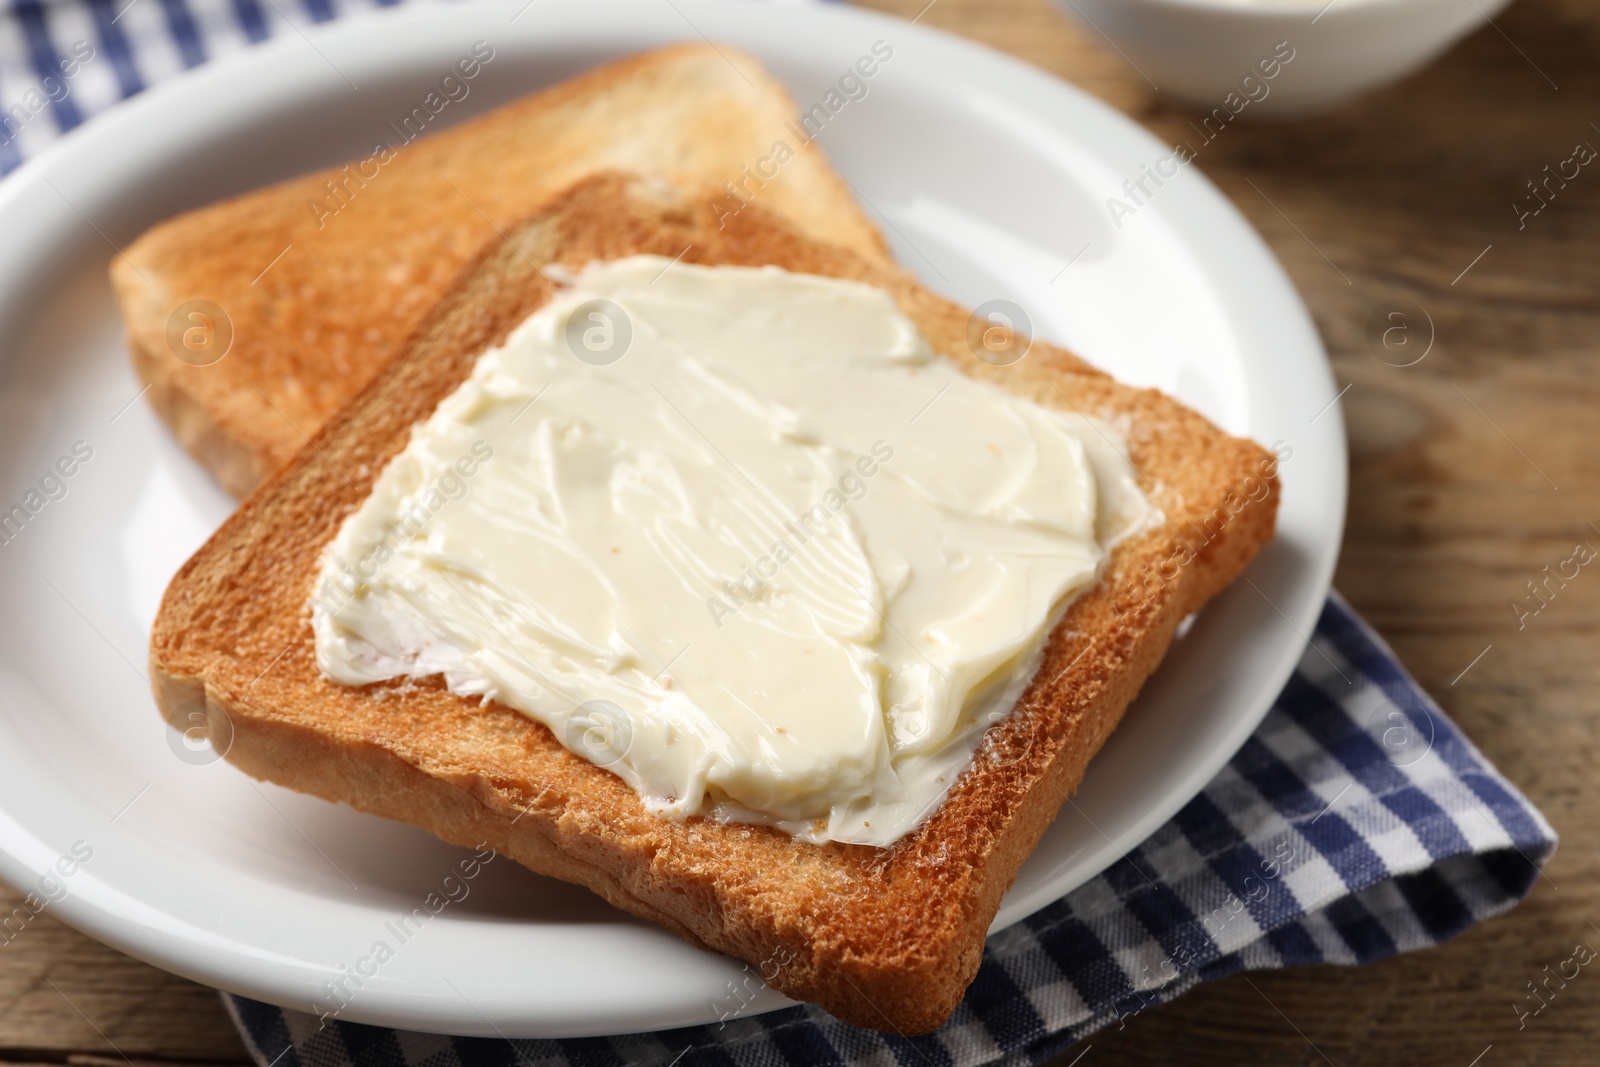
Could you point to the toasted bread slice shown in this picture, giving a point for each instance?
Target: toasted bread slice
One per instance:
(888, 938)
(322, 284)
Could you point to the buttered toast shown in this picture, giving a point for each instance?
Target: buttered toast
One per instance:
(882, 938)
(310, 286)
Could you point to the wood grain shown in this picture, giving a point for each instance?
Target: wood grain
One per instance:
(64, 997)
(1469, 472)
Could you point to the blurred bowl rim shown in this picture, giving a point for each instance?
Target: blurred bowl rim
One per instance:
(1280, 8)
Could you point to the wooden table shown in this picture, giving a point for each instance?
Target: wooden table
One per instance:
(1469, 472)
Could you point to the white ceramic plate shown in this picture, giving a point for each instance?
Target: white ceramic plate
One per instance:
(989, 178)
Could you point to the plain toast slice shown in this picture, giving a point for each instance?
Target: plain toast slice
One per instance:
(323, 277)
(887, 939)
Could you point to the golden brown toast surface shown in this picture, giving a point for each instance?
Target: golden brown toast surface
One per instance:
(887, 939)
(324, 276)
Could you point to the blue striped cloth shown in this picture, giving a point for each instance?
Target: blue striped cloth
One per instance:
(64, 60)
(1356, 823)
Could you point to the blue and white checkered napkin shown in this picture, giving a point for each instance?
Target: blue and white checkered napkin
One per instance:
(62, 61)
(1356, 823)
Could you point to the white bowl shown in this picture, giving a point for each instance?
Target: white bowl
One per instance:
(1202, 50)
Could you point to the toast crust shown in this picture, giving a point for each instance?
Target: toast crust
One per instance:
(319, 300)
(887, 939)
